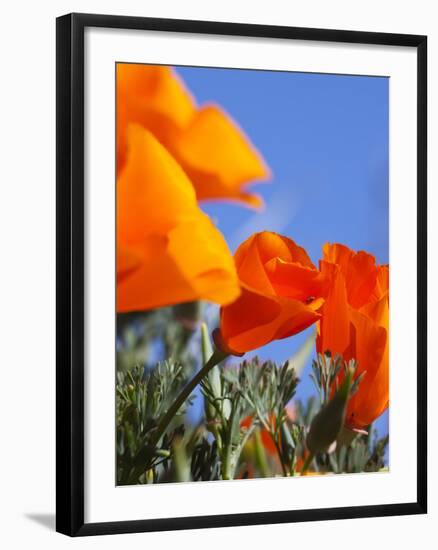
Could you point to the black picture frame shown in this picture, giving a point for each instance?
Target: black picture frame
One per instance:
(70, 272)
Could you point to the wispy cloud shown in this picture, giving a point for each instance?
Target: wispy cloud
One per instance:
(278, 214)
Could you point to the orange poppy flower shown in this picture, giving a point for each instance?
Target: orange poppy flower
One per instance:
(281, 293)
(355, 324)
(215, 154)
(168, 250)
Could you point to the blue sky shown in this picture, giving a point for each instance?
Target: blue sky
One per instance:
(325, 138)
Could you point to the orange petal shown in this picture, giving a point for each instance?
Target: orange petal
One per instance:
(294, 281)
(250, 267)
(334, 330)
(337, 254)
(382, 283)
(183, 256)
(361, 278)
(127, 261)
(360, 272)
(153, 192)
(272, 245)
(241, 319)
(297, 316)
(378, 311)
(254, 320)
(189, 264)
(152, 96)
(252, 200)
(215, 153)
(203, 257)
(218, 157)
(154, 88)
(255, 261)
(156, 283)
(371, 352)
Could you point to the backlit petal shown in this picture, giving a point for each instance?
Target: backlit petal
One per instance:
(292, 280)
(219, 159)
(127, 261)
(272, 245)
(337, 254)
(202, 256)
(372, 355)
(250, 267)
(182, 256)
(153, 192)
(334, 330)
(361, 278)
(254, 320)
(155, 98)
(215, 153)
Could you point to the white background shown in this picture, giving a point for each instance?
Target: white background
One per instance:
(27, 275)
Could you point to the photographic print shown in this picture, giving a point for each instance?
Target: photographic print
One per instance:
(235, 203)
(252, 300)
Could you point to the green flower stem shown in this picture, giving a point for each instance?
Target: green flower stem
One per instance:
(215, 359)
(227, 452)
(206, 348)
(226, 463)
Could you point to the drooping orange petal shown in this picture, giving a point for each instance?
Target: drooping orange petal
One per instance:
(254, 320)
(298, 317)
(218, 157)
(240, 319)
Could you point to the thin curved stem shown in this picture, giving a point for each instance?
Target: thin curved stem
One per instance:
(216, 358)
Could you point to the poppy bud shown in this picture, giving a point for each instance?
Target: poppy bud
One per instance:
(328, 423)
